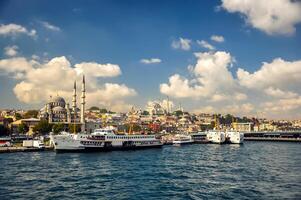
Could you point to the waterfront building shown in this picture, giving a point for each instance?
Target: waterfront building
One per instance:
(31, 123)
(243, 127)
(56, 110)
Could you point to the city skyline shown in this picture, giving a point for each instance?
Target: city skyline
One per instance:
(218, 56)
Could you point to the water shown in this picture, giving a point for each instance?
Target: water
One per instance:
(255, 170)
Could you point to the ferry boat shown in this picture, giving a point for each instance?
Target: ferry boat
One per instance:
(235, 137)
(101, 140)
(180, 139)
(199, 137)
(217, 137)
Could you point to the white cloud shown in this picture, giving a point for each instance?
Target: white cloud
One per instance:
(151, 61)
(279, 74)
(272, 17)
(273, 90)
(217, 38)
(15, 29)
(276, 92)
(40, 80)
(98, 70)
(212, 79)
(11, 50)
(205, 44)
(49, 26)
(182, 43)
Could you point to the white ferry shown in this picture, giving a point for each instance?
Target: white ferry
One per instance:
(180, 139)
(218, 137)
(101, 140)
(235, 137)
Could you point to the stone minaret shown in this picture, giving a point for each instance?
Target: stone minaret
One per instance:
(68, 113)
(74, 102)
(82, 109)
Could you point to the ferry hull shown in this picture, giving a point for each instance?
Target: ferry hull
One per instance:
(106, 149)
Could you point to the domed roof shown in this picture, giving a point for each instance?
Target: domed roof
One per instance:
(58, 109)
(58, 99)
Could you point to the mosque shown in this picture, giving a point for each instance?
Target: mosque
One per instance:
(56, 110)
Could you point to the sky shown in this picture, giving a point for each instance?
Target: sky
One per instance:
(224, 56)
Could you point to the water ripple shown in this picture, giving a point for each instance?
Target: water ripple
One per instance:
(255, 170)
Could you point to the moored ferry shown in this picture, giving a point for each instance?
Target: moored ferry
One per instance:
(101, 140)
(234, 137)
(218, 137)
(181, 139)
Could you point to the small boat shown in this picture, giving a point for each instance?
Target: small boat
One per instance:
(181, 139)
(5, 141)
(235, 137)
(217, 137)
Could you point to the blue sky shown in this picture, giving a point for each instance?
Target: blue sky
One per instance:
(124, 32)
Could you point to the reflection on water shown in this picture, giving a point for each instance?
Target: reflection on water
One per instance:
(254, 170)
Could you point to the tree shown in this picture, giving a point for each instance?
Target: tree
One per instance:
(57, 128)
(23, 128)
(145, 113)
(18, 116)
(31, 114)
(178, 113)
(103, 110)
(42, 127)
(94, 108)
(3, 130)
(76, 126)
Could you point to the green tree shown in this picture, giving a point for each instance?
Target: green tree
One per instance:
(178, 113)
(94, 108)
(31, 114)
(57, 128)
(103, 110)
(3, 130)
(145, 113)
(76, 126)
(18, 116)
(23, 128)
(43, 127)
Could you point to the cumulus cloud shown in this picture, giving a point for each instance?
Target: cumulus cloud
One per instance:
(212, 79)
(217, 38)
(150, 61)
(15, 29)
(273, 89)
(276, 17)
(98, 70)
(49, 26)
(181, 43)
(11, 50)
(37, 80)
(205, 44)
(281, 74)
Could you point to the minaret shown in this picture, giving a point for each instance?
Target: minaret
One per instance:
(74, 102)
(82, 109)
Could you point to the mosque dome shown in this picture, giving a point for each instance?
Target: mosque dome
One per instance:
(58, 109)
(58, 101)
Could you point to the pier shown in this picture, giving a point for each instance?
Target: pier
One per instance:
(276, 136)
(22, 149)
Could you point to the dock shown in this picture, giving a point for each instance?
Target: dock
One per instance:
(272, 139)
(275, 136)
(22, 149)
